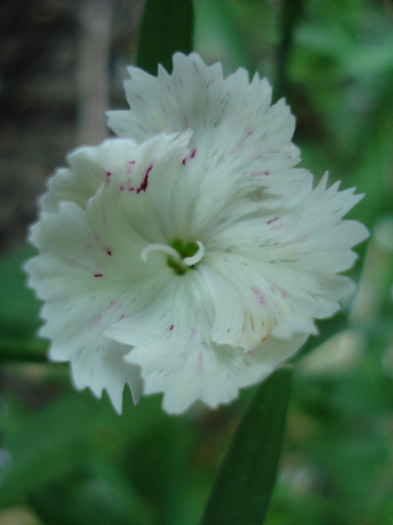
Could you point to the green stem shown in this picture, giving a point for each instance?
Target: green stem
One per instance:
(290, 16)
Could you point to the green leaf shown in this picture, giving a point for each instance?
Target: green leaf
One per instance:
(19, 311)
(49, 444)
(243, 487)
(218, 35)
(18, 306)
(166, 28)
(95, 493)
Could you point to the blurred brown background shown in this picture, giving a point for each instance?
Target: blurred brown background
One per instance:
(49, 49)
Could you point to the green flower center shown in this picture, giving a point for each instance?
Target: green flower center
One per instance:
(185, 249)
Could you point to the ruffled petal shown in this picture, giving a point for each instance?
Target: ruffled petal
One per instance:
(306, 235)
(177, 352)
(89, 168)
(90, 271)
(195, 96)
(81, 300)
(285, 262)
(240, 144)
(166, 339)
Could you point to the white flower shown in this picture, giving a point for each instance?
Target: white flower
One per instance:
(189, 256)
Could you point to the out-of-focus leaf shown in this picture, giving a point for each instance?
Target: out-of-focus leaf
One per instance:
(243, 487)
(218, 35)
(97, 494)
(160, 467)
(324, 41)
(372, 60)
(166, 28)
(19, 515)
(18, 306)
(48, 444)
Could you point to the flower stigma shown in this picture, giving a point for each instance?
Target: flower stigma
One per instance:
(181, 255)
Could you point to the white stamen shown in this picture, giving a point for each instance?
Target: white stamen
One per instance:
(164, 248)
(198, 256)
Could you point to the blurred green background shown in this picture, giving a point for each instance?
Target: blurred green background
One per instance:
(67, 458)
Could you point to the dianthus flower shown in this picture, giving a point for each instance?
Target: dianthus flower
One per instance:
(189, 256)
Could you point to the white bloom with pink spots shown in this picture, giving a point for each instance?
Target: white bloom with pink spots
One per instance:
(189, 257)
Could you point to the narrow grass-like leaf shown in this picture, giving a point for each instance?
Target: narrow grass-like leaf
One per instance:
(243, 486)
(166, 28)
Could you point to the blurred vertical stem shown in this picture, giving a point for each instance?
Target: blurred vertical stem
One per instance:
(290, 16)
(167, 27)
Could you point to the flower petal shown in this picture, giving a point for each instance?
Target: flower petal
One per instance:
(89, 169)
(231, 119)
(80, 304)
(89, 271)
(173, 346)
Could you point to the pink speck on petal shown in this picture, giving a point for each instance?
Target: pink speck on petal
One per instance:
(272, 220)
(74, 261)
(171, 327)
(122, 187)
(130, 166)
(108, 251)
(199, 369)
(190, 156)
(96, 322)
(98, 275)
(145, 182)
(255, 173)
(108, 176)
(258, 296)
(192, 335)
(250, 133)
